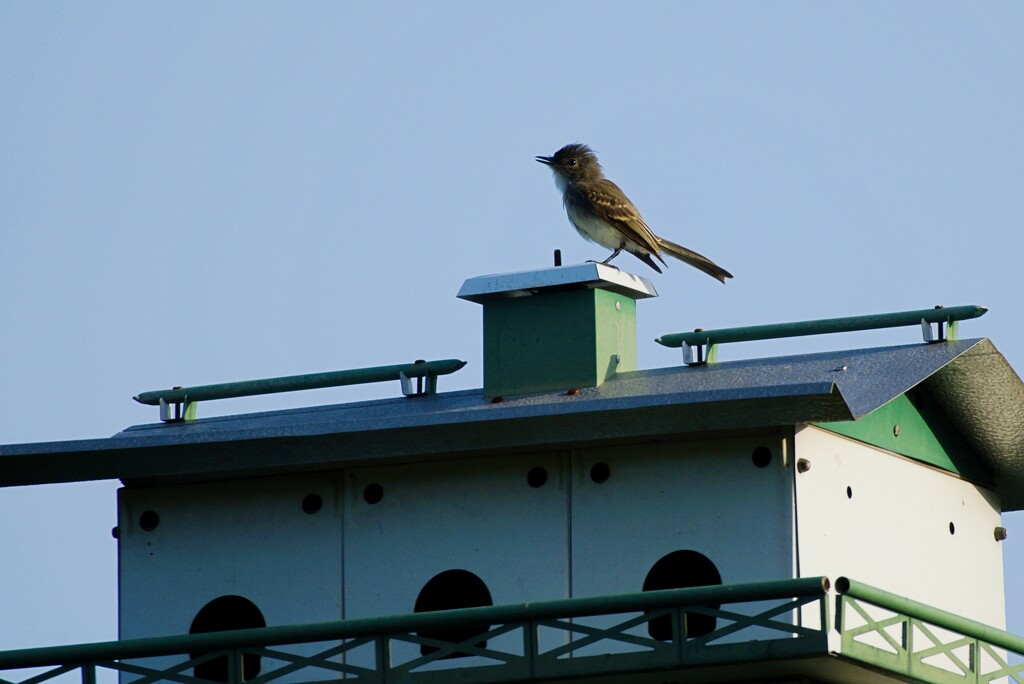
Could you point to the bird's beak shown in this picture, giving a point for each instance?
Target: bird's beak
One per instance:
(545, 160)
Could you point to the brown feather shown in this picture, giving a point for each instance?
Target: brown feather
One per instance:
(612, 205)
(690, 257)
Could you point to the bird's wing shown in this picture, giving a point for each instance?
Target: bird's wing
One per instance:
(613, 206)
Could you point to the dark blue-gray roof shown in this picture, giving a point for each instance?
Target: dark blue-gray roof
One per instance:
(976, 387)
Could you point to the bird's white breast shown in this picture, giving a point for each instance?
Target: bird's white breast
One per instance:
(593, 228)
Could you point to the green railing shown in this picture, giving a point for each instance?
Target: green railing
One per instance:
(574, 638)
(922, 642)
(702, 345)
(417, 378)
(779, 627)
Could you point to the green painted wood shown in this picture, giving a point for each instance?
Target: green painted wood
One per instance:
(560, 340)
(913, 425)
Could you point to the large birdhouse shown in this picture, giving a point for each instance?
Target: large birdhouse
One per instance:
(576, 518)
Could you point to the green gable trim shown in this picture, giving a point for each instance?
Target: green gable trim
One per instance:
(913, 425)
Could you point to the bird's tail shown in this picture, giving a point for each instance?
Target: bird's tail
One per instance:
(696, 260)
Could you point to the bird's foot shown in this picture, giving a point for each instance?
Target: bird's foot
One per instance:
(603, 263)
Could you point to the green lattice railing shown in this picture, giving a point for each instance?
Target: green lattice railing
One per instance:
(922, 642)
(782, 624)
(573, 638)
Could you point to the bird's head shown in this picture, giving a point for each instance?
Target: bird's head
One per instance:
(573, 162)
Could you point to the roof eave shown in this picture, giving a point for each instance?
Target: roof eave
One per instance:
(317, 447)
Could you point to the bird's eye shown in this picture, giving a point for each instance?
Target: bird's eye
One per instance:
(570, 162)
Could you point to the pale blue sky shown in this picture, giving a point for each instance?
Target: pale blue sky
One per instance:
(201, 192)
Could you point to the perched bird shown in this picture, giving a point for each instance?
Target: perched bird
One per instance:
(602, 213)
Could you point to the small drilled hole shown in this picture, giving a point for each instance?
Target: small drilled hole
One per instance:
(149, 521)
(312, 503)
(952, 528)
(849, 492)
(600, 472)
(762, 456)
(373, 493)
(537, 477)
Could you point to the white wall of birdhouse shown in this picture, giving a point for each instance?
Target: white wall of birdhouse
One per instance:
(897, 524)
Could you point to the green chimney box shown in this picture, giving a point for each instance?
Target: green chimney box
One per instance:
(556, 329)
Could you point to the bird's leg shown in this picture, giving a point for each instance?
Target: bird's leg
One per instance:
(605, 262)
(613, 255)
